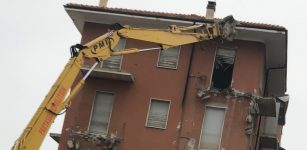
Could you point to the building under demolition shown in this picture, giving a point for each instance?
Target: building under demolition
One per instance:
(207, 95)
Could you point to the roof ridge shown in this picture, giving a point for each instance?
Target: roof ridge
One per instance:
(194, 17)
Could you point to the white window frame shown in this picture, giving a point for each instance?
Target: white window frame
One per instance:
(89, 124)
(235, 48)
(210, 84)
(169, 67)
(121, 62)
(169, 107)
(212, 106)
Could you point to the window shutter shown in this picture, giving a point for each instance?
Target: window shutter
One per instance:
(226, 55)
(101, 113)
(158, 114)
(114, 62)
(212, 128)
(169, 58)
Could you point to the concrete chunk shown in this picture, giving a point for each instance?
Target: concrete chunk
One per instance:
(70, 143)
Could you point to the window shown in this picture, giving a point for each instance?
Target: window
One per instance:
(223, 68)
(169, 58)
(101, 113)
(158, 113)
(114, 62)
(212, 128)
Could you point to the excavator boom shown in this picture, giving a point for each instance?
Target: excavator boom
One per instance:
(100, 49)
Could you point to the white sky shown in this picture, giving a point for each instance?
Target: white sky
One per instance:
(36, 35)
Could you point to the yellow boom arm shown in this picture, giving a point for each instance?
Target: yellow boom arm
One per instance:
(101, 49)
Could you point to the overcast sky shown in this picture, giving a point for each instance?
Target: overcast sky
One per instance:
(36, 35)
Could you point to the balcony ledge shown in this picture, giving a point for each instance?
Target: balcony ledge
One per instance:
(109, 74)
(269, 141)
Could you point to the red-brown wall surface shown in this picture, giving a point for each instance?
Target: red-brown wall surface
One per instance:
(132, 100)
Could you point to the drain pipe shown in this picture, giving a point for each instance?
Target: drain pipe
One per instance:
(185, 91)
(264, 93)
(188, 75)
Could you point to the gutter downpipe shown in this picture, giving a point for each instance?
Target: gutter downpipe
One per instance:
(286, 63)
(264, 93)
(188, 75)
(185, 91)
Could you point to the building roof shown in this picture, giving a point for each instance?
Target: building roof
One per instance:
(186, 17)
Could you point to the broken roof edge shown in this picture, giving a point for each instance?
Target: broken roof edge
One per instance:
(174, 16)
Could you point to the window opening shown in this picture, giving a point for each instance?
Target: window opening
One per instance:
(223, 68)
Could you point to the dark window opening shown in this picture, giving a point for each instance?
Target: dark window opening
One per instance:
(223, 68)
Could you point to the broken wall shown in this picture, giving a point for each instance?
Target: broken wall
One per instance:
(247, 75)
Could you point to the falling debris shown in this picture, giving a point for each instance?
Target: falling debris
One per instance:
(191, 144)
(95, 138)
(201, 94)
(249, 118)
(205, 97)
(96, 141)
(77, 145)
(229, 28)
(249, 129)
(70, 143)
(115, 148)
(178, 126)
(112, 142)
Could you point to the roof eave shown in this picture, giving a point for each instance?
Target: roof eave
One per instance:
(173, 18)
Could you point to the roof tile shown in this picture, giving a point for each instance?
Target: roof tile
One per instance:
(193, 17)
